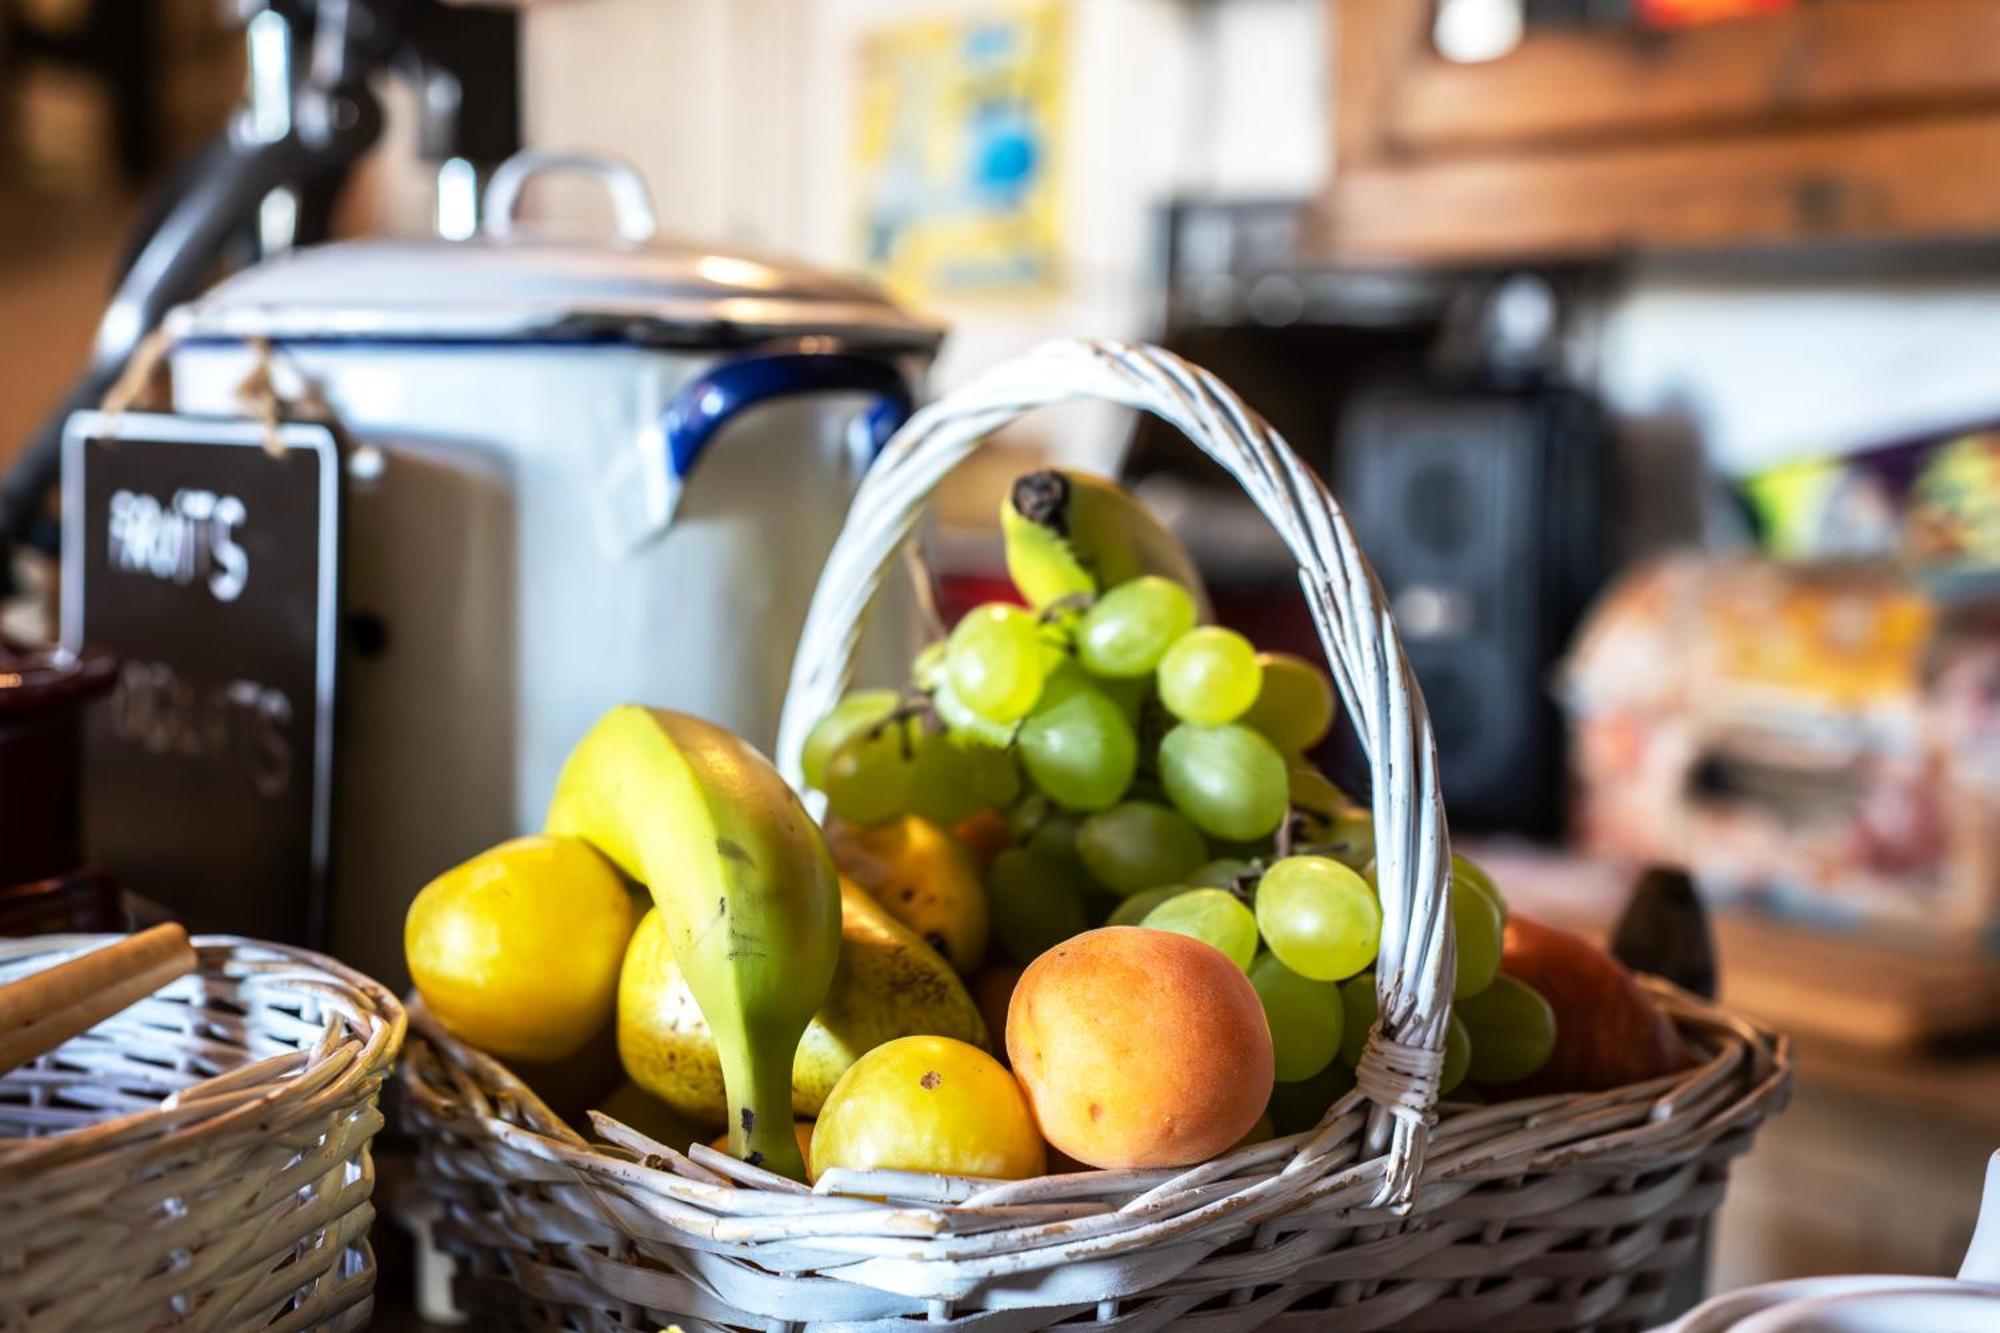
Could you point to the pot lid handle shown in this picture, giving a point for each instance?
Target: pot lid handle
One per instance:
(630, 203)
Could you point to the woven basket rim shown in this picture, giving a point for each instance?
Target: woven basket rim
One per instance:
(1761, 1061)
(292, 1094)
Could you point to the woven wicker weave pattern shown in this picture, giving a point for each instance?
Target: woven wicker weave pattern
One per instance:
(1557, 1213)
(201, 1159)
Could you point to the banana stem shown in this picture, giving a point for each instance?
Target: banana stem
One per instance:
(759, 1086)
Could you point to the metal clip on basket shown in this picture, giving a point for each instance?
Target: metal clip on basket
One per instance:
(1554, 1212)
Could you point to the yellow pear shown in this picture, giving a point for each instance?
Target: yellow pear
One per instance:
(923, 877)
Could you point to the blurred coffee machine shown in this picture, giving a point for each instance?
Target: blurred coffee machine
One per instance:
(1474, 474)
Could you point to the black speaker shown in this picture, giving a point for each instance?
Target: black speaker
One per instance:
(1482, 512)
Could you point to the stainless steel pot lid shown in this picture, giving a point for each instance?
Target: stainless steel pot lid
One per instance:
(507, 285)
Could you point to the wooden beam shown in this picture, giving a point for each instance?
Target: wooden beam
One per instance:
(1936, 177)
(1373, 42)
(1832, 59)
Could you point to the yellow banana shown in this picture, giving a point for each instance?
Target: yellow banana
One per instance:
(744, 886)
(889, 984)
(1071, 534)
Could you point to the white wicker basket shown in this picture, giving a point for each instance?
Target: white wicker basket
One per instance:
(199, 1160)
(1560, 1212)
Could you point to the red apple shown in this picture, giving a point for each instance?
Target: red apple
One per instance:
(1608, 1030)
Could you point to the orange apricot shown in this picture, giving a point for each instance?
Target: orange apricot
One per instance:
(1139, 1048)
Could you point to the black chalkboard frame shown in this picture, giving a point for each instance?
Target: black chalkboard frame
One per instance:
(84, 429)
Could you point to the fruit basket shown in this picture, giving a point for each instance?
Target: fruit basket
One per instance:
(1553, 1212)
(201, 1159)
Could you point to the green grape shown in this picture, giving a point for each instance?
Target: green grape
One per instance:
(967, 727)
(1027, 814)
(1298, 1107)
(1131, 696)
(868, 779)
(1304, 1017)
(992, 774)
(1513, 1030)
(1319, 917)
(1359, 1007)
(1294, 707)
(1054, 841)
(847, 719)
(995, 660)
(1036, 904)
(1139, 845)
(950, 782)
(941, 781)
(1132, 911)
(1481, 935)
(927, 670)
(1210, 676)
(1457, 1055)
(1213, 916)
(1474, 874)
(1229, 780)
(1077, 746)
(1130, 628)
(1221, 873)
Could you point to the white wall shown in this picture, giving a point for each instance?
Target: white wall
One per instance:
(739, 114)
(1768, 368)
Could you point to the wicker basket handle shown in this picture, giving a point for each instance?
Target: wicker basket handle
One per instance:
(1399, 1070)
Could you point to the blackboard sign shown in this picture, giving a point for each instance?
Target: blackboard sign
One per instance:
(208, 561)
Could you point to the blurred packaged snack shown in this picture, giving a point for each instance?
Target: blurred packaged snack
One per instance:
(1930, 503)
(1825, 737)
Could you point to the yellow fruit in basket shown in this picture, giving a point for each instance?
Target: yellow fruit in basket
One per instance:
(1069, 534)
(1140, 1048)
(928, 1104)
(887, 984)
(573, 1084)
(517, 951)
(633, 1106)
(801, 1129)
(746, 893)
(922, 877)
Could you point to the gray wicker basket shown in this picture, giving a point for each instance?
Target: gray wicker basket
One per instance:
(1551, 1213)
(199, 1160)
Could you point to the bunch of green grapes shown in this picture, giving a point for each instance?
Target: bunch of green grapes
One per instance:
(1152, 772)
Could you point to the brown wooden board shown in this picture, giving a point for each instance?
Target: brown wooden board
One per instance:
(1843, 120)
(1838, 59)
(1935, 178)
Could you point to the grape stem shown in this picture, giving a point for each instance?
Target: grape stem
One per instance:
(1288, 828)
(1061, 606)
(905, 709)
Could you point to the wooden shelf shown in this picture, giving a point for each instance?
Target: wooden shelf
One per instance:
(1838, 121)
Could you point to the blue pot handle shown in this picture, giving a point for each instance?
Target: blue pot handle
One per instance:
(706, 404)
(637, 498)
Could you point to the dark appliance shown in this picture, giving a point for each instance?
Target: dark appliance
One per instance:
(1481, 510)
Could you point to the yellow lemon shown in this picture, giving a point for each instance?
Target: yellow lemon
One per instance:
(517, 951)
(928, 1104)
